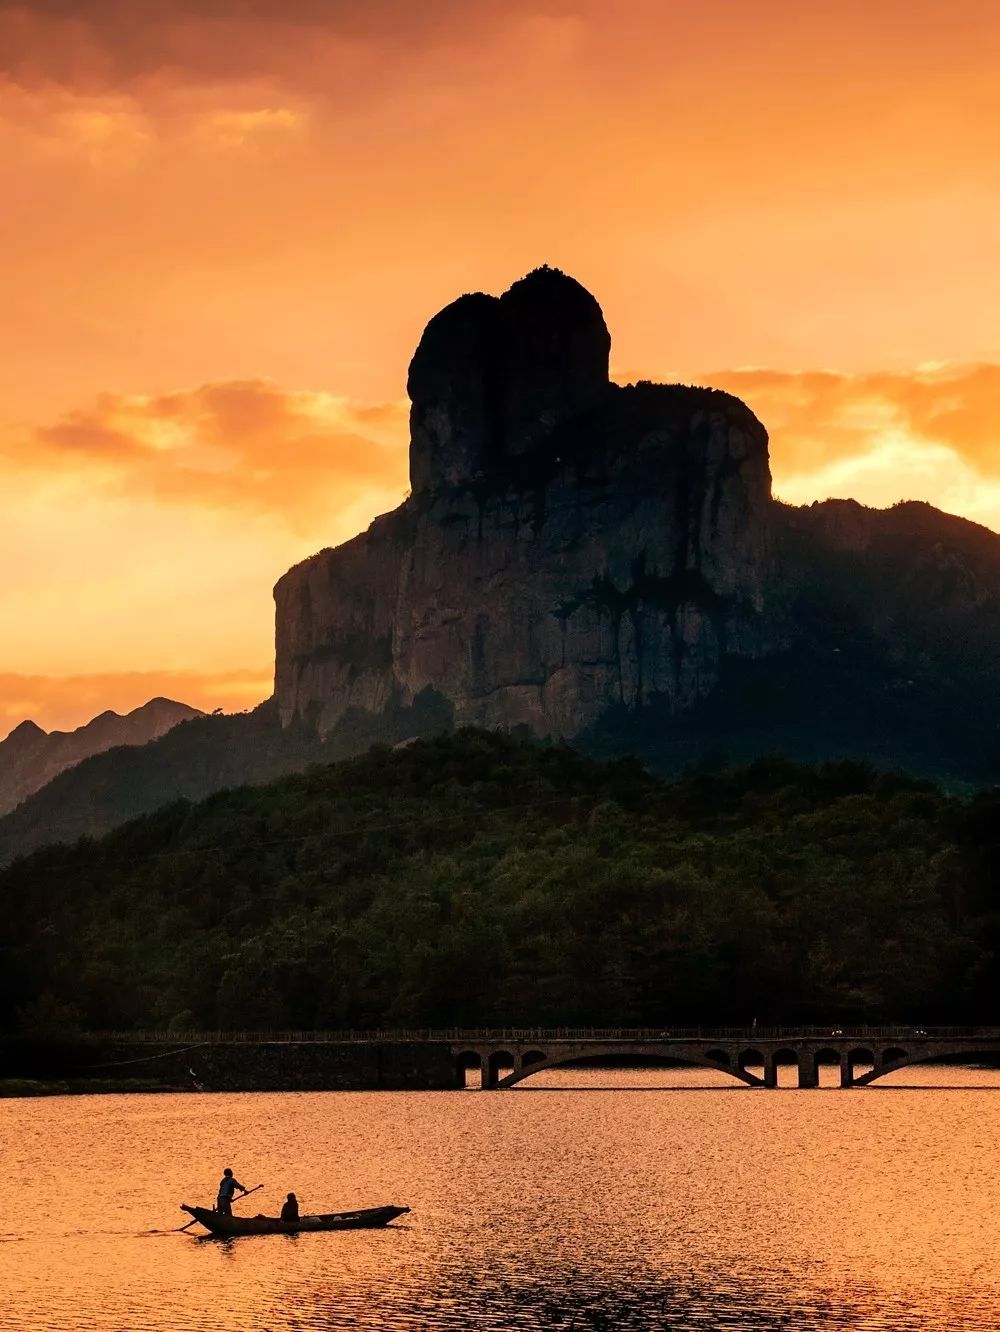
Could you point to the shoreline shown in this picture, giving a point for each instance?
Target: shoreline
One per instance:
(18, 1088)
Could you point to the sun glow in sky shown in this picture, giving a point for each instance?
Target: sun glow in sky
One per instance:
(225, 223)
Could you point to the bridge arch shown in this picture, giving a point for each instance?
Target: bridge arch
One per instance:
(887, 1061)
(465, 1062)
(562, 1059)
(859, 1057)
(825, 1057)
(784, 1056)
(743, 1061)
(500, 1064)
(957, 1053)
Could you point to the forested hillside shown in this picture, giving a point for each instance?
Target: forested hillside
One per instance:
(191, 761)
(475, 879)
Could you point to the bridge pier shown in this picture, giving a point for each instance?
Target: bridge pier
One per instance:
(807, 1067)
(492, 1062)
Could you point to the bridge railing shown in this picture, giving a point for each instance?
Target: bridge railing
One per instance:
(498, 1035)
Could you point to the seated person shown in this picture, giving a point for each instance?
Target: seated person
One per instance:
(290, 1209)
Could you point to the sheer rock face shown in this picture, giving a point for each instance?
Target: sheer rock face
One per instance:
(569, 546)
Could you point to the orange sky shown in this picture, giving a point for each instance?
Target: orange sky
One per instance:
(225, 223)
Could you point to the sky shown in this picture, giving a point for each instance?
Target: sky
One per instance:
(224, 225)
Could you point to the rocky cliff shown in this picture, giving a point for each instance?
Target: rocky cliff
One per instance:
(600, 563)
(569, 545)
(31, 757)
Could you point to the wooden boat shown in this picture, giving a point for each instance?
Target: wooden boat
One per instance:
(222, 1225)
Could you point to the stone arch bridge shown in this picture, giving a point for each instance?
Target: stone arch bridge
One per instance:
(440, 1059)
(750, 1055)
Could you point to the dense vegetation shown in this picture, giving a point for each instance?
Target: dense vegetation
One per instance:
(475, 879)
(190, 761)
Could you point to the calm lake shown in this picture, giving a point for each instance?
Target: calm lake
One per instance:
(605, 1199)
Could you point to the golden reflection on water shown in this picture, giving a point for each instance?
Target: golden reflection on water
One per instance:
(558, 1205)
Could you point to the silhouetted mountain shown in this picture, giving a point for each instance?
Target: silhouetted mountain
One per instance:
(607, 565)
(599, 564)
(30, 757)
(569, 545)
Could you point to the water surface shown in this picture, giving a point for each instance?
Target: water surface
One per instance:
(607, 1199)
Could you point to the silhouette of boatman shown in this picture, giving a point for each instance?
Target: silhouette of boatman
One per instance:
(228, 1185)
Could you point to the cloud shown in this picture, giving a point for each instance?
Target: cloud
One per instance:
(65, 702)
(816, 418)
(98, 44)
(296, 455)
(306, 458)
(261, 127)
(932, 433)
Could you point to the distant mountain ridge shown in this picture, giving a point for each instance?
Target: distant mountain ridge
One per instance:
(192, 760)
(31, 757)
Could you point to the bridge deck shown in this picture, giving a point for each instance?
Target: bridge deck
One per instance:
(499, 1035)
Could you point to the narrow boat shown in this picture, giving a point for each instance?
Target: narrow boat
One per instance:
(220, 1224)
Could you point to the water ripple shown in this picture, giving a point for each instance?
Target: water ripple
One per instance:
(611, 1209)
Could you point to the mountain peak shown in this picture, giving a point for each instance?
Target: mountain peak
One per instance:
(162, 704)
(25, 732)
(495, 376)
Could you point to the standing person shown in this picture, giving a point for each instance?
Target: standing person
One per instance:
(228, 1185)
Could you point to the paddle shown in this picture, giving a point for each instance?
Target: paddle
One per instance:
(248, 1192)
(194, 1218)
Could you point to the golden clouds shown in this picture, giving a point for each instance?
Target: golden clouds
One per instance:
(258, 129)
(96, 44)
(815, 418)
(104, 131)
(146, 532)
(931, 434)
(296, 455)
